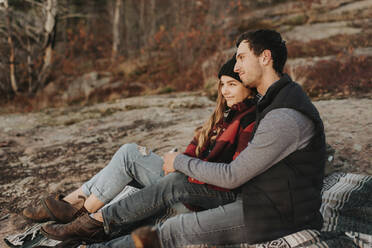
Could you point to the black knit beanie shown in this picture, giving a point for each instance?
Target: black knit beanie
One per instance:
(228, 69)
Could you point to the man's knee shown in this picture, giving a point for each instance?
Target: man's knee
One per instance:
(176, 183)
(176, 178)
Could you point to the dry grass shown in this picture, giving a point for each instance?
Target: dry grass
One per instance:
(342, 77)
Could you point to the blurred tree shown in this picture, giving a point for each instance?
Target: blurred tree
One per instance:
(116, 29)
(50, 12)
(30, 28)
(11, 48)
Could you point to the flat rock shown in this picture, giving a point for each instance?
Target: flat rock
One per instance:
(319, 31)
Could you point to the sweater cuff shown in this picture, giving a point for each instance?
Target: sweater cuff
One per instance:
(180, 161)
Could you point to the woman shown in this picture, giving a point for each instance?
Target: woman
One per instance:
(221, 139)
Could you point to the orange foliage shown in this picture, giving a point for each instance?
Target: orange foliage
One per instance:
(184, 48)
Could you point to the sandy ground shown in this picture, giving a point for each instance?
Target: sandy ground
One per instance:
(57, 149)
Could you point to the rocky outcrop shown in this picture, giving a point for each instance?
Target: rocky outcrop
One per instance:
(317, 32)
(310, 61)
(84, 86)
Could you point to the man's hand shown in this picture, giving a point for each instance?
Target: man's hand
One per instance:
(168, 166)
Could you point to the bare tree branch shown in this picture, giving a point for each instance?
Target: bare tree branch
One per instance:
(13, 80)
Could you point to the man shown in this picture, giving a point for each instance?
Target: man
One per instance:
(279, 175)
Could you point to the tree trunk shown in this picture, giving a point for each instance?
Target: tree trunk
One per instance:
(130, 15)
(152, 19)
(152, 22)
(116, 30)
(149, 22)
(49, 29)
(142, 20)
(13, 81)
(29, 65)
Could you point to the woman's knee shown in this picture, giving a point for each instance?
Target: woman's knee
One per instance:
(129, 147)
(132, 149)
(176, 183)
(128, 151)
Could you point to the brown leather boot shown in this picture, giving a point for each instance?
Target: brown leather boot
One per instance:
(146, 237)
(53, 208)
(84, 228)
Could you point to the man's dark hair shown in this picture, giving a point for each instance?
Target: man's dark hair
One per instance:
(263, 39)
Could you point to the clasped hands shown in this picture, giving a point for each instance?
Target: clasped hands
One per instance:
(168, 166)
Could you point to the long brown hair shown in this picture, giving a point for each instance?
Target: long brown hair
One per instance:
(205, 133)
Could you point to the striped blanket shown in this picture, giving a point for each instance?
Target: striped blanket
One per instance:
(346, 209)
(347, 212)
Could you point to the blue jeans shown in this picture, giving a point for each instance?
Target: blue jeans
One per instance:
(150, 202)
(132, 162)
(218, 227)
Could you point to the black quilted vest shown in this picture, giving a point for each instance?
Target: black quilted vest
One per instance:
(286, 198)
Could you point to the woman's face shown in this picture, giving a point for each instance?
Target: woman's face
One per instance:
(233, 91)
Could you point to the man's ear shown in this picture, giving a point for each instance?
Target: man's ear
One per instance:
(266, 57)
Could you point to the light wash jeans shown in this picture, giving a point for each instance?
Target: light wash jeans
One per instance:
(132, 162)
(150, 202)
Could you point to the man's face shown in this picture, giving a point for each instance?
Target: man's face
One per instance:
(247, 65)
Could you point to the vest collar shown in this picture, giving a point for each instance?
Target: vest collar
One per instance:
(272, 91)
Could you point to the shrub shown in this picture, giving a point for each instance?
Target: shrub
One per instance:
(343, 77)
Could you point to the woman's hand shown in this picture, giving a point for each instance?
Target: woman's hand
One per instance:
(168, 166)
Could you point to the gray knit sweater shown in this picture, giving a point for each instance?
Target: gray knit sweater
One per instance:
(281, 132)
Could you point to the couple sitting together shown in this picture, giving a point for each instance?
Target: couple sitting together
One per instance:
(252, 173)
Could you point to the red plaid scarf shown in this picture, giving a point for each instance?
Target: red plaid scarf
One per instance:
(236, 131)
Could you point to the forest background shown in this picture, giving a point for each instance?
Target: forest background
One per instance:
(58, 52)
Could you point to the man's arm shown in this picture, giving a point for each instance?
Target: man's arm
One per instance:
(280, 132)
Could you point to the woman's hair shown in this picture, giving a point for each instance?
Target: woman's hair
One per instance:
(205, 133)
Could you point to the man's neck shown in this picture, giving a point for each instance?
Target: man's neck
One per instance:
(267, 80)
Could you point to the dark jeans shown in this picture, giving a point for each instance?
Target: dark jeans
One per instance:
(150, 202)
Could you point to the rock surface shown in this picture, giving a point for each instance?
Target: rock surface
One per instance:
(57, 149)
